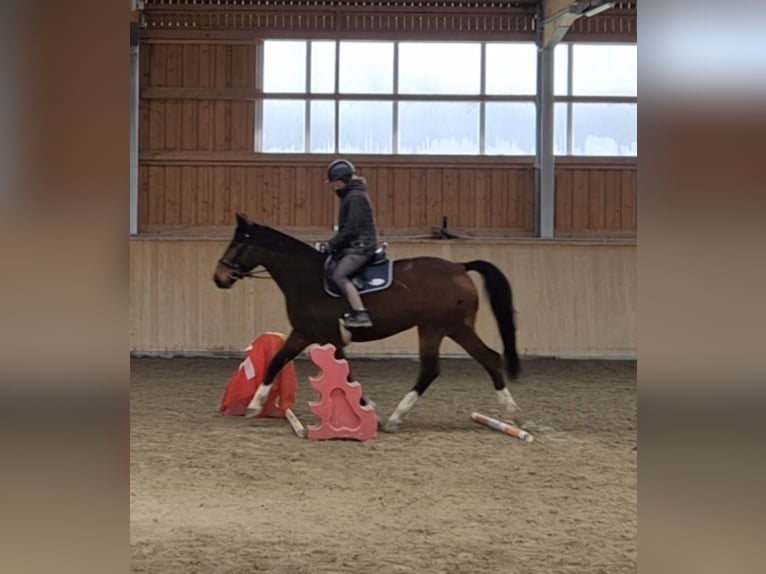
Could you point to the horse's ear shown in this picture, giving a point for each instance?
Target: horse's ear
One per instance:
(244, 221)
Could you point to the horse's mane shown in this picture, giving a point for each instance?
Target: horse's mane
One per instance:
(269, 238)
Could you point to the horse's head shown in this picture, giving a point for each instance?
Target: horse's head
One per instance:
(241, 256)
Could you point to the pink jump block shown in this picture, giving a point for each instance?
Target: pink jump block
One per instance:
(341, 416)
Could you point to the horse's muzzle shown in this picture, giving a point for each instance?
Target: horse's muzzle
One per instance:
(223, 283)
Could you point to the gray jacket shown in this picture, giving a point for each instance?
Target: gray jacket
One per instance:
(357, 232)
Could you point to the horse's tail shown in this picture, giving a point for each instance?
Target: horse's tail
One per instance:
(501, 299)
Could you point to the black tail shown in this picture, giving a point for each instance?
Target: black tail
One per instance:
(501, 299)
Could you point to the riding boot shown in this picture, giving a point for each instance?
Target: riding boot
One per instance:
(357, 319)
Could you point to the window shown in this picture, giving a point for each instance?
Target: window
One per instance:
(596, 93)
(604, 129)
(365, 126)
(511, 128)
(438, 68)
(284, 125)
(461, 98)
(439, 128)
(284, 67)
(604, 70)
(512, 69)
(322, 67)
(366, 67)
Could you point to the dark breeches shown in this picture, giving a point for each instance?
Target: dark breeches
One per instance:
(346, 268)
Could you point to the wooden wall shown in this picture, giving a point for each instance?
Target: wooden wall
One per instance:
(189, 97)
(197, 166)
(426, 20)
(596, 199)
(409, 197)
(573, 299)
(197, 133)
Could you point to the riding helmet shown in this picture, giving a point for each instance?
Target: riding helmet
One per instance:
(340, 169)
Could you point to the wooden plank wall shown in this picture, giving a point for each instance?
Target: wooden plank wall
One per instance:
(407, 198)
(573, 299)
(197, 166)
(187, 122)
(596, 200)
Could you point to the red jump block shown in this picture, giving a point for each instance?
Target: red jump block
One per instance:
(341, 416)
(252, 372)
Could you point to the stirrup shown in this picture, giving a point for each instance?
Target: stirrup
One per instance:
(357, 319)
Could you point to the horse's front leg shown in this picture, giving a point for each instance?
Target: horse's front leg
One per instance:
(294, 344)
(430, 340)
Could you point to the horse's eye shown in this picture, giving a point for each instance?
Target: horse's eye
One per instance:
(247, 236)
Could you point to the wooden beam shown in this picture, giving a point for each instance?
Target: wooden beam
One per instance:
(321, 160)
(560, 15)
(552, 8)
(154, 93)
(203, 94)
(557, 20)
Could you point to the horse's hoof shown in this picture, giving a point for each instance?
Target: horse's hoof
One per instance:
(390, 427)
(517, 417)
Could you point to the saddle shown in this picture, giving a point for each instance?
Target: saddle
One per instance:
(376, 275)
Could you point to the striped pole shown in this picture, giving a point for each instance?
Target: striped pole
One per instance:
(295, 423)
(502, 427)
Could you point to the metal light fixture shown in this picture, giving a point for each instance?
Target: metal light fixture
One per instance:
(598, 9)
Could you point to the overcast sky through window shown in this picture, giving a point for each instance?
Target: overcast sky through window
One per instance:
(452, 69)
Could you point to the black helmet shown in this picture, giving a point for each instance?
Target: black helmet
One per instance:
(340, 169)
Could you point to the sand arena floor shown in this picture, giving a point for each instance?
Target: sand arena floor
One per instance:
(213, 495)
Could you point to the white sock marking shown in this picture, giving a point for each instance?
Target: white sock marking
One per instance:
(404, 407)
(259, 399)
(505, 399)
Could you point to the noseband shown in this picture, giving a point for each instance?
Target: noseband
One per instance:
(233, 267)
(237, 273)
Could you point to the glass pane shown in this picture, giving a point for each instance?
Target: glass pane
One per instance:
(322, 127)
(560, 115)
(604, 129)
(284, 126)
(561, 70)
(439, 68)
(366, 67)
(439, 127)
(510, 128)
(366, 127)
(605, 70)
(512, 69)
(322, 67)
(284, 66)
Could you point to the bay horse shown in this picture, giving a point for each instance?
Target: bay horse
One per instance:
(435, 295)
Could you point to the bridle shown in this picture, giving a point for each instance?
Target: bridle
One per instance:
(237, 273)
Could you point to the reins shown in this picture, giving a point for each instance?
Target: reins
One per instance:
(257, 274)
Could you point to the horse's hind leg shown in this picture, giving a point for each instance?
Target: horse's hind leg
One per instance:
(429, 370)
(340, 355)
(294, 344)
(493, 364)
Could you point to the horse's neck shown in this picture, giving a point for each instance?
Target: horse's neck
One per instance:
(293, 273)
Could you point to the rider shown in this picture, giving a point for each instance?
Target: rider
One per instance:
(356, 240)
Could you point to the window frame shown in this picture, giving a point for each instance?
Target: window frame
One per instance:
(396, 98)
(570, 100)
